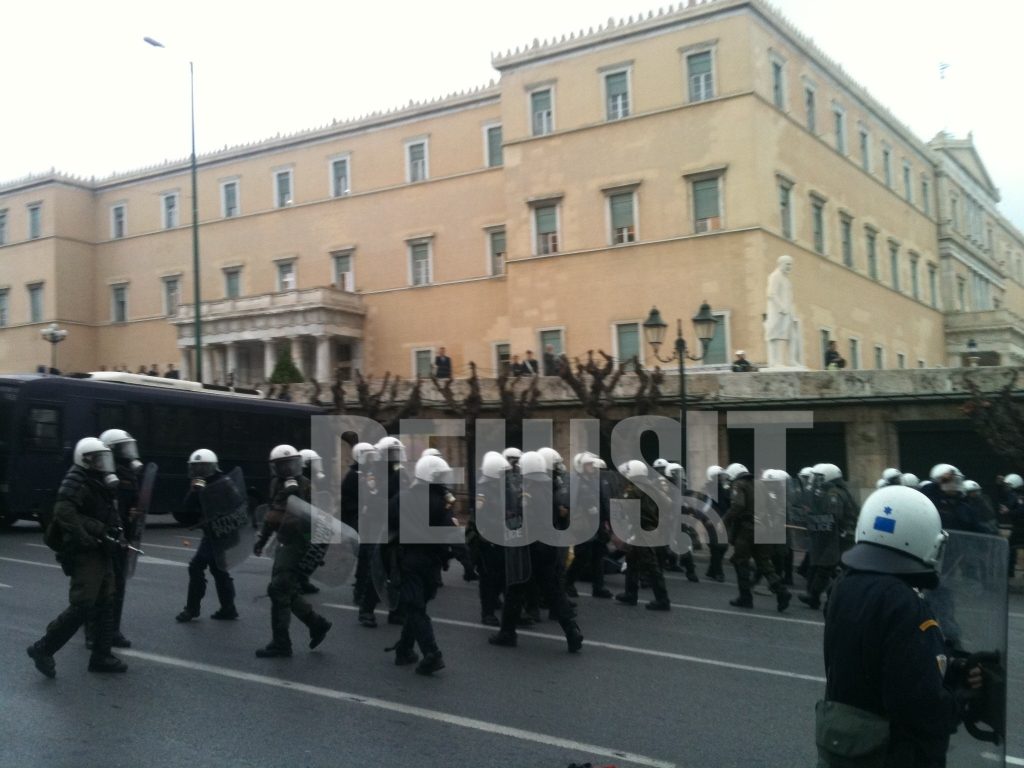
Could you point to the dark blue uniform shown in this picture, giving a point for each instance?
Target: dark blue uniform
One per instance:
(885, 653)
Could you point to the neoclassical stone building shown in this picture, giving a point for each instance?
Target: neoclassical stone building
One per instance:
(666, 160)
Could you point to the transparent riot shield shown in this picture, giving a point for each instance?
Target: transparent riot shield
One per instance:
(330, 559)
(137, 524)
(970, 605)
(771, 501)
(226, 519)
(385, 573)
(515, 544)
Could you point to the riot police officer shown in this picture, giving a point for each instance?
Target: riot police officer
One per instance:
(830, 525)
(359, 485)
(642, 561)
(293, 540)
(491, 503)
(946, 492)
(590, 493)
(86, 534)
(204, 472)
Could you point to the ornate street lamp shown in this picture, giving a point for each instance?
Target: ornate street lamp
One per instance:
(704, 324)
(55, 336)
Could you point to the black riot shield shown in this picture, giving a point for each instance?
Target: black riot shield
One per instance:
(385, 573)
(970, 605)
(137, 525)
(333, 551)
(226, 519)
(518, 566)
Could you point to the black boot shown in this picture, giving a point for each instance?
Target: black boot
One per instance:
(627, 598)
(225, 614)
(274, 650)
(44, 661)
(405, 656)
(745, 600)
(367, 619)
(107, 663)
(432, 662)
(187, 614)
(573, 636)
(506, 639)
(782, 597)
(318, 631)
(120, 641)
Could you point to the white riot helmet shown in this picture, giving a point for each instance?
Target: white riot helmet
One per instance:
(432, 469)
(391, 449)
(92, 454)
(713, 472)
(584, 459)
(552, 459)
(940, 471)
(202, 463)
(828, 472)
(735, 470)
(899, 531)
(364, 452)
(430, 452)
(910, 480)
(512, 454)
(311, 460)
(947, 477)
(891, 476)
(285, 462)
(1014, 481)
(494, 465)
(676, 473)
(634, 469)
(532, 463)
(881, 483)
(970, 486)
(775, 474)
(660, 465)
(123, 446)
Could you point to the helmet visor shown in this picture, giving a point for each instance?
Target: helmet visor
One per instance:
(126, 451)
(99, 461)
(200, 469)
(289, 466)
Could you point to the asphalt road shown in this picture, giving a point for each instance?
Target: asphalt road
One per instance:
(703, 685)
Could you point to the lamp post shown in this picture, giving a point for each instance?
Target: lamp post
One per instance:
(704, 324)
(195, 221)
(55, 336)
(973, 358)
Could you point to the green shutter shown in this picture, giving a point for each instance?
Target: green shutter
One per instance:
(699, 63)
(541, 100)
(554, 338)
(629, 341)
(717, 353)
(547, 221)
(705, 199)
(616, 84)
(498, 242)
(622, 210)
(494, 153)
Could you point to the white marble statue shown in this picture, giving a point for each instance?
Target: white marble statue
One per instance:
(781, 331)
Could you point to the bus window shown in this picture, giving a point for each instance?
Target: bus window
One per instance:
(181, 430)
(8, 395)
(109, 416)
(42, 429)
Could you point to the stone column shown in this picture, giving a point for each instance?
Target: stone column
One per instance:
(269, 358)
(872, 444)
(185, 364)
(295, 345)
(324, 373)
(231, 371)
(208, 374)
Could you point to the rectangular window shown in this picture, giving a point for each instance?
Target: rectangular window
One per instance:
(870, 243)
(933, 285)
(894, 264)
(503, 359)
(552, 338)
(286, 275)
(846, 233)
(622, 218)
(954, 212)
(961, 294)
(3, 227)
(42, 429)
(232, 283)
(818, 223)
(172, 295)
(498, 251)
(826, 337)
(542, 112)
(908, 188)
(339, 177)
(707, 210)
(419, 263)
(840, 121)
(495, 156)
(283, 188)
(915, 286)
(901, 360)
(35, 224)
(169, 204)
(812, 116)
(778, 85)
(879, 357)
(416, 161)
(344, 278)
(700, 76)
(3, 308)
(117, 222)
(627, 345)
(616, 88)
(35, 303)
(854, 354)
(229, 199)
(865, 150)
(718, 352)
(926, 203)
(786, 209)
(887, 166)
(423, 360)
(118, 303)
(546, 222)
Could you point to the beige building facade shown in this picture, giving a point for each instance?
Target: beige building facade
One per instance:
(663, 161)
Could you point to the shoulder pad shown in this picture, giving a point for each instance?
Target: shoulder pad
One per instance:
(72, 484)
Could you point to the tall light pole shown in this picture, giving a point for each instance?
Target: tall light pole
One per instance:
(195, 221)
(704, 323)
(55, 336)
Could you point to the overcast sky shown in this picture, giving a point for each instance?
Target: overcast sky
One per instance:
(82, 93)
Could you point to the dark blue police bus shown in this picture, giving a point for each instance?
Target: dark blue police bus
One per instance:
(42, 417)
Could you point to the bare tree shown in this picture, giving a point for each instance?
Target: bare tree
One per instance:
(998, 416)
(383, 405)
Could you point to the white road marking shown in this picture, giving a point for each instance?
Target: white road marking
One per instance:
(142, 558)
(996, 758)
(617, 647)
(727, 612)
(30, 562)
(6, 586)
(405, 709)
(151, 545)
